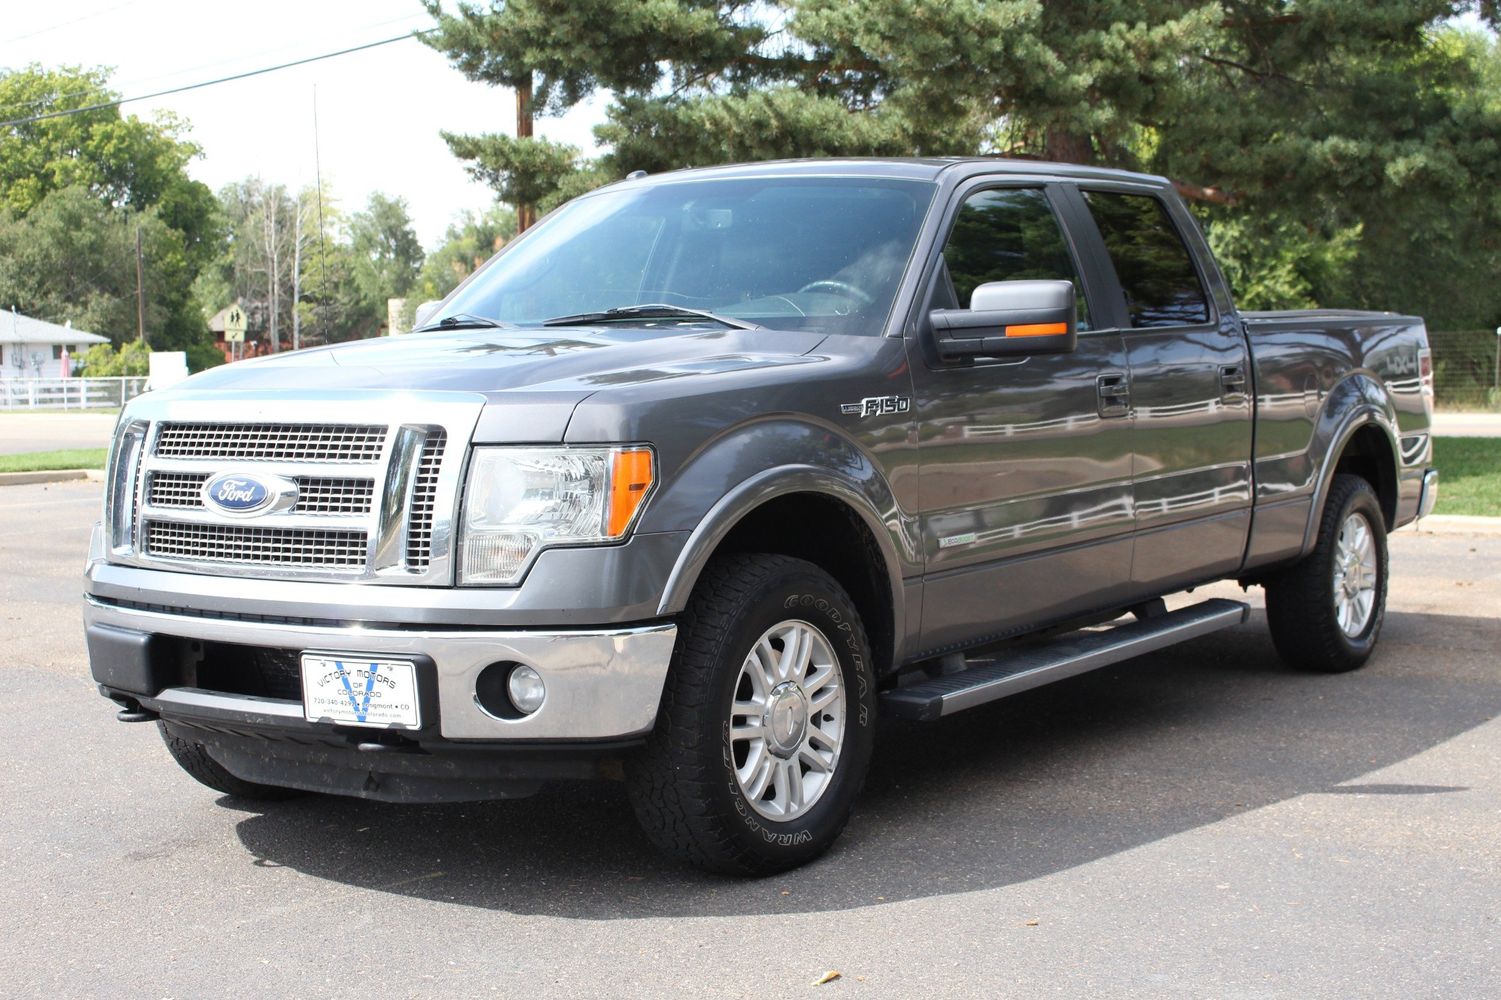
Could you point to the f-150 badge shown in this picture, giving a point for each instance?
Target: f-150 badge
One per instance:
(877, 406)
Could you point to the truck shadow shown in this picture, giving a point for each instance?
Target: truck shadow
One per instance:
(1027, 787)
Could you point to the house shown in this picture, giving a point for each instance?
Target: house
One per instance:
(33, 348)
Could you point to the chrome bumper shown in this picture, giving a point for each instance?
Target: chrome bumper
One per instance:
(601, 683)
(1428, 496)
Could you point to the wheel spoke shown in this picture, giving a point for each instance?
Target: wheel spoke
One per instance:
(825, 739)
(804, 662)
(766, 667)
(755, 707)
(759, 771)
(748, 731)
(794, 642)
(813, 759)
(791, 778)
(821, 677)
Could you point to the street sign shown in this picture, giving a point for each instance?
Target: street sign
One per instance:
(234, 325)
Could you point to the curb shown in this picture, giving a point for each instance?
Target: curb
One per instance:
(51, 476)
(1455, 524)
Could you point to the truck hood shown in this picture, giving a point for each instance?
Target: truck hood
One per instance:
(567, 359)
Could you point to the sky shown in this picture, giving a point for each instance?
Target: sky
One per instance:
(379, 112)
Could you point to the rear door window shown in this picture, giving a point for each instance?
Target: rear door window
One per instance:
(1153, 264)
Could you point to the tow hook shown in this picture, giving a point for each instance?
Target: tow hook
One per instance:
(131, 711)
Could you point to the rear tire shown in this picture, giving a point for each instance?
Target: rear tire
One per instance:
(194, 758)
(1325, 612)
(767, 720)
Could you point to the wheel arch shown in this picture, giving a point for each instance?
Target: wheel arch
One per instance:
(813, 514)
(1364, 443)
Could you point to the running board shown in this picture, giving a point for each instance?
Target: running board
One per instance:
(1077, 653)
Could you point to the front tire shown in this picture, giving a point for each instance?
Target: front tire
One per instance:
(767, 720)
(1326, 611)
(193, 757)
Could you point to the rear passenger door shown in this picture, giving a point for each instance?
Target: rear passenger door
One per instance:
(1190, 390)
(1025, 491)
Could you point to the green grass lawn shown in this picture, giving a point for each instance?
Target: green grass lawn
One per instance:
(1469, 475)
(46, 461)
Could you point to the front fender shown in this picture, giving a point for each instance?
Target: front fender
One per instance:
(756, 463)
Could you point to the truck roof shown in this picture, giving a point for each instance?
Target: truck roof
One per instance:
(915, 168)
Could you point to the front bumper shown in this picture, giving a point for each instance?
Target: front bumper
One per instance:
(603, 684)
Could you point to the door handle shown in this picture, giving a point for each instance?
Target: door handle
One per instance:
(1115, 394)
(1232, 380)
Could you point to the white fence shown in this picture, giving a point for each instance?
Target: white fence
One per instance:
(69, 393)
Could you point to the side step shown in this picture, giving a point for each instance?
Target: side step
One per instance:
(1077, 653)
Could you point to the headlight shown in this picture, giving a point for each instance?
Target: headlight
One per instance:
(519, 501)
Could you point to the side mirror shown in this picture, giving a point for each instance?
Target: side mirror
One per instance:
(1007, 319)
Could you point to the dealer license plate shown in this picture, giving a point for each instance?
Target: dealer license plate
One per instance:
(359, 691)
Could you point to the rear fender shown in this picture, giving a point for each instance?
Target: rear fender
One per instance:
(1357, 401)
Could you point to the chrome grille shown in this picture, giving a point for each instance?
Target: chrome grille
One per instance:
(307, 548)
(272, 442)
(334, 496)
(377, 482)
(424, 498)
(176, 489)
(315, 495)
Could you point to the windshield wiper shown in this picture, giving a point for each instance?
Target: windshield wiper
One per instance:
(463, 321)
(649, 310)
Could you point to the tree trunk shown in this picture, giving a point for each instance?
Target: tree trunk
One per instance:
(273, 273)
(525, 214)
(297, 278)
(1067, 147)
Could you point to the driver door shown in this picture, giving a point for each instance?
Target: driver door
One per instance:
(1026, 488)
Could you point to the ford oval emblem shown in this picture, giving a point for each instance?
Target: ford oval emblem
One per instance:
(235, 493)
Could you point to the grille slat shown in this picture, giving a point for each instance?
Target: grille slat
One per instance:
(176, 489)
(309, 548)
(424, 502)
(269, 442)
(315, 495)
(334, 496)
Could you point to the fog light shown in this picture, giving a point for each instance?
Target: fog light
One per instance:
(526, 689)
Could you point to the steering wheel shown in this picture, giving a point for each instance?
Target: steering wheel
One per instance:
(844, 288)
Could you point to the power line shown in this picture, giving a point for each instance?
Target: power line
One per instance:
(217, 64)
(68, 24)
(210, 83)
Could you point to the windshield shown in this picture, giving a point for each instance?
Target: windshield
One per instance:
(820, 254)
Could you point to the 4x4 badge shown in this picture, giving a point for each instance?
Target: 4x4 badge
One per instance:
(877, 406)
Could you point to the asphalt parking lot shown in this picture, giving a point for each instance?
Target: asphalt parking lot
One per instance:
(1202, 823)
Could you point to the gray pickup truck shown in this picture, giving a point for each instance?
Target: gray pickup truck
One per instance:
(711, 470)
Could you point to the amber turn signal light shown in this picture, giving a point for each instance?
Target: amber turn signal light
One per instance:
(1037, 330)
(631, 475)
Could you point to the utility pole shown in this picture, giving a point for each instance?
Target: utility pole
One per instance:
(140, 292)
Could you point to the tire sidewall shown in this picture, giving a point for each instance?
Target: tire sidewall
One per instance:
(807, 597)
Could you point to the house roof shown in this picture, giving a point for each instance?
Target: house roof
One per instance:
(18, 329)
